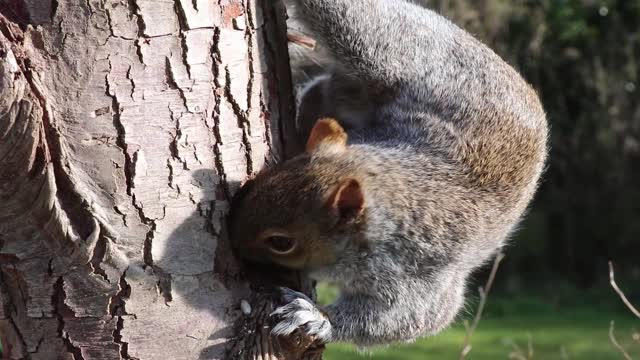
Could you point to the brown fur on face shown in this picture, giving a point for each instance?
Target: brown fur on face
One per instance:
(318, 206)
(324, 213)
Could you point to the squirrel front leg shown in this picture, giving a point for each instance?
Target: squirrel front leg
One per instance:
(367, 320)
(362, 319)
(377, 316)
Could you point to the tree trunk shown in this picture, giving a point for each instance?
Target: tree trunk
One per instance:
(125, 127)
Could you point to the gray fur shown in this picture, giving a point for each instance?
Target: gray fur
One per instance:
(448, 143)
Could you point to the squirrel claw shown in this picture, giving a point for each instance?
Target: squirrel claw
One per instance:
(300, 313)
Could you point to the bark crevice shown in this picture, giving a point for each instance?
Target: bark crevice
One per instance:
(120, 130)
(62, 311)
(117, 309)
(243, 121)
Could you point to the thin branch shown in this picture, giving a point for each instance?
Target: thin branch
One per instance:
(615, 342)
(518, 353)
(484, 292)
(301, 39)
(444, 7)
(615, 287)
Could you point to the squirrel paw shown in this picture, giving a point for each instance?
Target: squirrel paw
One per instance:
(300, 313)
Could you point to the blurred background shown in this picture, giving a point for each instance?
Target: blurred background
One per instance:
(551, 298)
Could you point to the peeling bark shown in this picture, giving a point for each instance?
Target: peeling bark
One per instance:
(125, 127)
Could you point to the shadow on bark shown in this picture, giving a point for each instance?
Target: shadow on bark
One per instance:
(249, 337)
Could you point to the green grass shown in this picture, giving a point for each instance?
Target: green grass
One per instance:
(570, 326)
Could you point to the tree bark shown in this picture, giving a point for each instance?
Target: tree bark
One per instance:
(125, 127)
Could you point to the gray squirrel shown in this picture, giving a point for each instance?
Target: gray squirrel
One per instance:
(424, 150)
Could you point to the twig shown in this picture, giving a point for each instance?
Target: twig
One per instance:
(444, 7)
(518, 353)
(615, 342)
(624, 299)
(301, 39)
(564, 353)
(484, 292)
(615, 287)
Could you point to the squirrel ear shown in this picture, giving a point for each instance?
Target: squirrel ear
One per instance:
(347, 200)
(327, 133)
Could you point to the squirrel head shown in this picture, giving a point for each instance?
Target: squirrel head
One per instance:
(303, 212)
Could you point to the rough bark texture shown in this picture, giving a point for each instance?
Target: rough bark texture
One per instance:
(125, 126)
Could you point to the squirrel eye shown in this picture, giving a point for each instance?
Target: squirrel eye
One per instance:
(280, 245)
